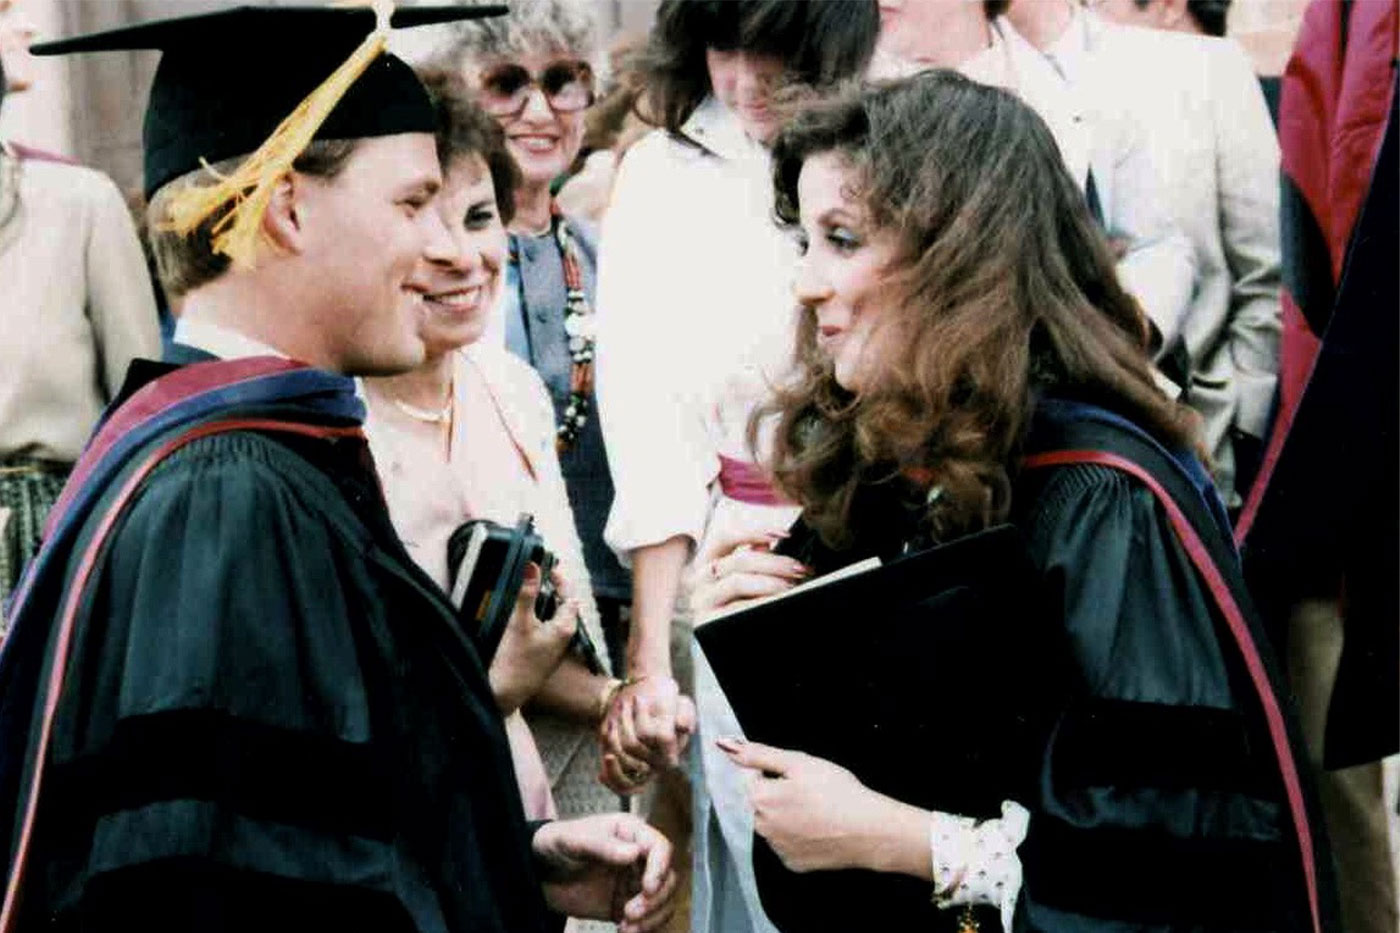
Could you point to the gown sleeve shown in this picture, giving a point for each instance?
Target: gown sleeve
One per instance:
(214, 764)
(1152, 809)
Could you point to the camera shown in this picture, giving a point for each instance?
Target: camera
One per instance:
(486, 567)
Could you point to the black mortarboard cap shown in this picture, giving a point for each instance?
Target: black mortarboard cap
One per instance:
(227, 79)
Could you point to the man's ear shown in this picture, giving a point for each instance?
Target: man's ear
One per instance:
(285, 218)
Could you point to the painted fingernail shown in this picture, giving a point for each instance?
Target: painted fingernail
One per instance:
(729, 744)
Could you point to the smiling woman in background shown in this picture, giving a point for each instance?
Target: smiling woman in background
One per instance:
(534, 71)
(469, 434)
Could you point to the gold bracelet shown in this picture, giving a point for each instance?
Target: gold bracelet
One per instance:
(606, 696)
(610, 691)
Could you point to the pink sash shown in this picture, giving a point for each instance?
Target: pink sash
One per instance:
(744, 481)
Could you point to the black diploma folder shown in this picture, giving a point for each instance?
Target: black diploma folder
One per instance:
(930, 677)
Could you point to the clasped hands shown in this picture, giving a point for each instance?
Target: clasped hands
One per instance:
(646, 727)
(648, 722)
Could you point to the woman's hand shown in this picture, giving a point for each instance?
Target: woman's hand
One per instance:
(646, 727)
(530, 650)
(735, 570)
(817, 815)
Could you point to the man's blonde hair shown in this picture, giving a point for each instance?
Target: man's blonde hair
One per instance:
(186, 261)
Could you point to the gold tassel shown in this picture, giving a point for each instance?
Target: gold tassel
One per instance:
(250, 188)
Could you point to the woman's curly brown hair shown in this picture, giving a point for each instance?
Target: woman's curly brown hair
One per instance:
(1005, 288)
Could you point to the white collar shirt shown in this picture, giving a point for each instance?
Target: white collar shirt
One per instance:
(223, 342)
(696, 322)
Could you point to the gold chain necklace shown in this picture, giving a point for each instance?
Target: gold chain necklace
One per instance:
(430, 416)
(442, 417)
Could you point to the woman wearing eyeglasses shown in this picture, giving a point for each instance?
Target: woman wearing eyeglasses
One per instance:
(533, 71)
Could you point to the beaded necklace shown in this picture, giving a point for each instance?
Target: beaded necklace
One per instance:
(580, 328)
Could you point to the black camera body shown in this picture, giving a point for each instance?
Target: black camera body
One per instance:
(486, 567)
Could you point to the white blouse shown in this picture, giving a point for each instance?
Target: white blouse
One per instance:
(696, 321)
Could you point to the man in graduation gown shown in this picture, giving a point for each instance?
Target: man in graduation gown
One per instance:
(1320, 533)
(230, 700)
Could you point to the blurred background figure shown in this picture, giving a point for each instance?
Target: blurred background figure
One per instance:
(470, 434)
(613, 125)
(536, 72)
(1104, 146)
(1207, 128)
(1196, 17)
(697, 326)
(78, 307)
(16, 35)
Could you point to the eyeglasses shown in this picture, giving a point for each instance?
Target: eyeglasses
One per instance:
(505, 88)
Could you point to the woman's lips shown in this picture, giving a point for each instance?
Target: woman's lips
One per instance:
(535, 142)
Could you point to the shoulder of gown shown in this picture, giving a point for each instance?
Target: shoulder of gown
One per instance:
(1160, 759)
(235, 744)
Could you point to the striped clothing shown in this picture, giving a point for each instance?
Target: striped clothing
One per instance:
(28, 489)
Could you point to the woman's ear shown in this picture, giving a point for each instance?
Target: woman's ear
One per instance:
(285, 217)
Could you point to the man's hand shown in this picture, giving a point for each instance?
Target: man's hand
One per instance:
(611, 866)
(647, 726)
(530, 650)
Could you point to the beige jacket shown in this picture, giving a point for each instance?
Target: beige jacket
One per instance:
(1099, 133)
(1211, 137)
(77, 305)
(503, 463)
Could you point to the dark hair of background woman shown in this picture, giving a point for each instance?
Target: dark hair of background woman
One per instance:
(1210, 15)
(819, 43)
(465, 129)
(1005, 288)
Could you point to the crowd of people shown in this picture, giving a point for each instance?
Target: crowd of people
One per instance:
(782, 286)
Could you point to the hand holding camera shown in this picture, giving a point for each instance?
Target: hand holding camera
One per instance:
(508, 597)
(531, 647)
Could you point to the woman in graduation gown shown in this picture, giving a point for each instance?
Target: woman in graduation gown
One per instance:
(966, 357)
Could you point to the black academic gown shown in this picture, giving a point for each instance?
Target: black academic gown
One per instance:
(1156, 800)
(1163, 803)
(271, 721)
